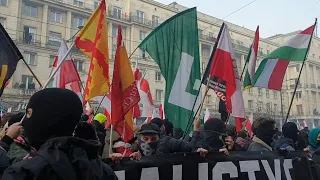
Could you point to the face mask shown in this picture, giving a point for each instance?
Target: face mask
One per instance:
(214, 140)
(148, 149)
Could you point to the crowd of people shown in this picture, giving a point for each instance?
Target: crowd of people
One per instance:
(54, 140)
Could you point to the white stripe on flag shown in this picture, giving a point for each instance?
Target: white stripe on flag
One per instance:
(264, 77)
(224, 43)
(300, 41)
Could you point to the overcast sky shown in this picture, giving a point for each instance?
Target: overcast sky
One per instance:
(273, 16)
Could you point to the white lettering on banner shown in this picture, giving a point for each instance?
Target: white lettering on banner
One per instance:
(287, 164)
(250, 167)
(224, 168)
(203, 171)
(178, 95)
(121, 175)
(177, 172)
(277, 169)
(149, 173)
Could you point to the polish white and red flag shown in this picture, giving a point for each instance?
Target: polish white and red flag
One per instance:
(67, 76)
(224, 74)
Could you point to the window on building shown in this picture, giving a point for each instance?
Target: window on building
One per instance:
(275, 94)
(54, 38)
(297, 68)
(250, 90)
(78, 3)
(3, 2)
(142, 53)
(260, 91)
(55, 17)
(159, 93)
(79, 65)
(203, 66)
(200, 31)
(211, 34)
(117, 12)
(30, 10)
(2, 21)
(27, 82)
(268, 51)
(250, 104)
(267, 93)
(142, 35)
(140, 16)
(29, 34)
(260, 103)
(268, 106)
(275, 107)
(77, 21)
(155, 21)
(205, 50)
(299, 109)
(298, 95)
(30, 58)
(51, 60)
(158, 76)
(208, 99)
(260, 49)
(313, 55)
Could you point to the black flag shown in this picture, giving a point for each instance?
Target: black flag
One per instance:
(9, 57)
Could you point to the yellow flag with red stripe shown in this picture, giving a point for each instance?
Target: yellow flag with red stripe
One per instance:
(92, 40)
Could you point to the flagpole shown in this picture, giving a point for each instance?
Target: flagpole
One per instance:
(32, 72)
(244, 68)
(296, 85)
(58, 67)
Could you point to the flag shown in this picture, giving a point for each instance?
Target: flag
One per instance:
(146, 98)
(206, 115)
(174, 46)
(161, 111)
(136, 108)
(224, 78)
(106, 104)
(124, 93)
(304, 124)
(87, 112)
(252, 60)
(272, 69)
(92, 40)
(9, 58)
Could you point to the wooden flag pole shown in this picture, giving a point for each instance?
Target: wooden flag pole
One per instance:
(32, 72)
(296, 85)
(58, 67)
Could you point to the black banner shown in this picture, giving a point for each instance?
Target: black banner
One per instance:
(216, 166)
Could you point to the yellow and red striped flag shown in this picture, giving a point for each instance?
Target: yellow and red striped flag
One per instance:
(92, 40)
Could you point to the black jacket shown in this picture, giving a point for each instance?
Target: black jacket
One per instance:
(101, 133)
(63, 158)
(5, 143)
(284, 143)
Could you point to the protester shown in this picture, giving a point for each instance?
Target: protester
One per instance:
(242, 139)
(177, 133)
(290, 136)
(160, 123)
(302, 141)
(168, 127)
(231, 133)
(314, 141)
(52, 115)
(264, 129)
(99, 122)
(115, 137)
(213, 136)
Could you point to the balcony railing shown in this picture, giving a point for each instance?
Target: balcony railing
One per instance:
(140, 20)
(115, 15)
(24, 40)
(19, 91)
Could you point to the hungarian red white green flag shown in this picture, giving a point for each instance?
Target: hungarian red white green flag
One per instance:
(272, 69)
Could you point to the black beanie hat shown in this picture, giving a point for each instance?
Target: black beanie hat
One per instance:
(231, 130)
(290, 130)
(215, 124)
(55, 113)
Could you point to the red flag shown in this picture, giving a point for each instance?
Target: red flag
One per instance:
(136, 108)
(225, 78)
(161, 111)
(124, 92)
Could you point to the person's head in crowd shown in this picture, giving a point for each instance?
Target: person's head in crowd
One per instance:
(243, 134)
(231, 130)
(168, 127)
(85, 131)
(264, 129)
(5, 118)
(214, 133)
(50, 113)
(101, 118)
(302, 140)
(149, 136)
(160, 123)
(314, 138)
(290, 130)
(177, 133)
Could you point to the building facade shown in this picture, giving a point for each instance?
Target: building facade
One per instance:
(37, 26)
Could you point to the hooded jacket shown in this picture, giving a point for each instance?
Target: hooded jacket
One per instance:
(258, 145)
(284, 143)
(65, 158)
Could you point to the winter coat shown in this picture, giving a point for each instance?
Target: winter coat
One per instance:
(258, 145)
(115, 137)
(284, 143)
(101, 133)
(5, 143)
(241, 141)
(20, 150)
(63, 158)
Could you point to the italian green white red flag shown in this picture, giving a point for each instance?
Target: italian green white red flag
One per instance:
(252, 60)
(272, 69)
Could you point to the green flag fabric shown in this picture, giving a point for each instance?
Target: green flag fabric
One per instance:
(174, 46)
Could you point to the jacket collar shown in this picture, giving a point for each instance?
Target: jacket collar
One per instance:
(259, 141)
